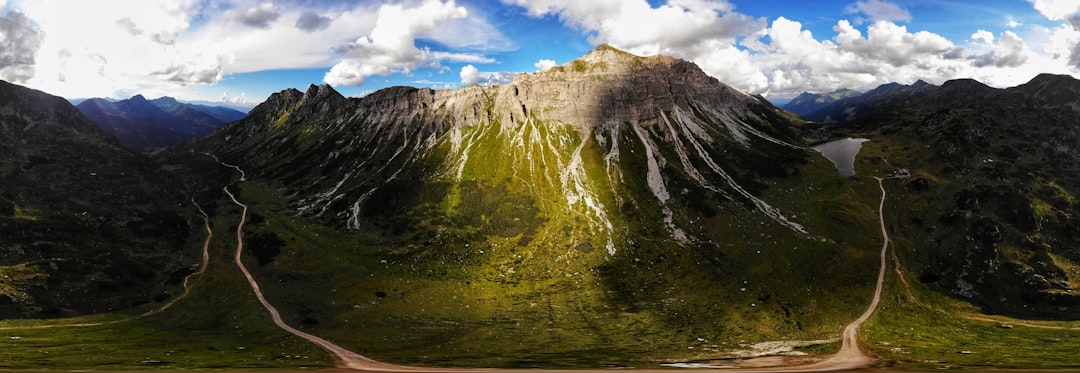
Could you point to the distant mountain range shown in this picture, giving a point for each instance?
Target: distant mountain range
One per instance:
(151, 125)
(846, 105)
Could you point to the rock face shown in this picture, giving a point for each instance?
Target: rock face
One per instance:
(544, 124)
(85, 225)
(151, 125)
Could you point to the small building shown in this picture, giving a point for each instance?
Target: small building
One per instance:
(902, 174)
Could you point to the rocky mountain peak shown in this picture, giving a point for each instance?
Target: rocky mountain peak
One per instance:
(607, 53)
(165, 102)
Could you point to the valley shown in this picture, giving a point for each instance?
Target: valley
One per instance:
(614, 212)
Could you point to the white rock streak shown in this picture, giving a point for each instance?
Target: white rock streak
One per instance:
(575, 185)
(762, 206)
(656, 185)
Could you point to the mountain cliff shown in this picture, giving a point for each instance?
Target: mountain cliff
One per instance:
(85, 225)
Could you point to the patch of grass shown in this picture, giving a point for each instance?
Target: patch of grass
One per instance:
(936, 332)
(27, 213)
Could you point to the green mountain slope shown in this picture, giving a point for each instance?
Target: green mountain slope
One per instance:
(617, 208)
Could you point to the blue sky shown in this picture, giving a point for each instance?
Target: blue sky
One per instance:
(244, 50)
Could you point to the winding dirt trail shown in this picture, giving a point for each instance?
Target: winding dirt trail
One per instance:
(850, 357)
(343, 357)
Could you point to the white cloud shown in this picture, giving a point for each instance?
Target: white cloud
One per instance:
(157, 47)
(391, 46)
(469, 75)
(1063, 10)
(19, 44)
(1055, 10)
(636, 26)
(986, 37)
(544, 65)
(1009, 52)
(784, 58)
(880, 10)
(468, 33)
(130, 47)
(459, 57)
(240, 99)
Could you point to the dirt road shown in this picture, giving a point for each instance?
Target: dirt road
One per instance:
(851, 356)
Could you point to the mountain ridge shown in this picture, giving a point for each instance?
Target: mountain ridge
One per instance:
(151, 125)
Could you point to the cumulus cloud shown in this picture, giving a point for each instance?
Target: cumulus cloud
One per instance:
(1063, 10)
(470, 75)
(784, 58)
(638, 27)
(130, 47)
(1055, 10)
(1009, 52)
(391, 46)
(879, 10)
(310, 21)
(544, 65)
(19, 43)
(986, 37)
(260, 16)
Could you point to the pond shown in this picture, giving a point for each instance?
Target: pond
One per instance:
(842, 153)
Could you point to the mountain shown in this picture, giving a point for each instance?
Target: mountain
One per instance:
(806, 102)
(994, 213)
(854, 106)
(149, 125)
(86, 226)
(609, 188)
(617, 210)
